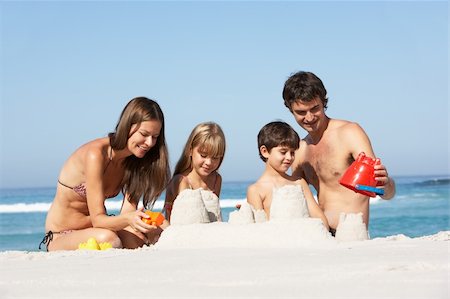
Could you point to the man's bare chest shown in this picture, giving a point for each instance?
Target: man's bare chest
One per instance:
(323, 163)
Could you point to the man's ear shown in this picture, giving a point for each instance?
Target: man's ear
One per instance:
(264, 151)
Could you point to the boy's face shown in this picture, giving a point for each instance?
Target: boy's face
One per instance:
(309, 115)
(280, 158)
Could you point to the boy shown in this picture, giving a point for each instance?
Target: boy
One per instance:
(277, 143)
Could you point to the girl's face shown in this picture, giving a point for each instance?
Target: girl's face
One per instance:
(143, 137)
(203, 163)
(280, 158)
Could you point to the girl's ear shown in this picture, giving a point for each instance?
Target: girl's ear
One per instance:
(264, 151)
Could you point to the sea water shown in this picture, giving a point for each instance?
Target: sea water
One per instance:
(420, 207)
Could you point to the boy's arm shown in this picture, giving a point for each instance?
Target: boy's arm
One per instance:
(297, 170)
(314, 210)
(254, 198)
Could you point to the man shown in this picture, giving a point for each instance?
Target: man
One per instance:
(328, 150)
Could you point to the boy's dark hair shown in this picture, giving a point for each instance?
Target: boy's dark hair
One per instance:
(304, 86)
(277, 133)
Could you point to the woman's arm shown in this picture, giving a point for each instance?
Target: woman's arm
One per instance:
(94, 169)
(133, 215)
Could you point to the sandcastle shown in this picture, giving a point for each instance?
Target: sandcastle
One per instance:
(351, 228)
(195, 206)
(212, 205)
(288, 202)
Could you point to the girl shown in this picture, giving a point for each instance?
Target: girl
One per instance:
(133, 160)
(197, 168)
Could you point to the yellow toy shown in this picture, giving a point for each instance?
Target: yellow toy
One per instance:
(92, 244)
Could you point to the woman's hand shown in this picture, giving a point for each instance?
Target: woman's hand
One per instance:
(136, 223)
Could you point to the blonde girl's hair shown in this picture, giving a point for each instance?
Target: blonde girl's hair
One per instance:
(148, 176)
(211, 140)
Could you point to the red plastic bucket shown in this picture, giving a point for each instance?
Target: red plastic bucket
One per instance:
(360, 175)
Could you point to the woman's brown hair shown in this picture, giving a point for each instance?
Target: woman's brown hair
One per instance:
(148, 176)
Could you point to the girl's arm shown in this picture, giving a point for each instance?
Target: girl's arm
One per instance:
(216, 190)
(314, 210)
(218, 185)
(177, 184)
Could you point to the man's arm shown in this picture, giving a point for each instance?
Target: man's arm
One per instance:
(358, 141)
(386, 182)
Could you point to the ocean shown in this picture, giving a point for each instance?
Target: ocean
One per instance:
(420, 207)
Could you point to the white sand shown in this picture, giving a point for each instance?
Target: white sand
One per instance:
(220, 260)
(291, 256)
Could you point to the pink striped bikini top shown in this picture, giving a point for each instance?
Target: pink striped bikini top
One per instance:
(80, 189)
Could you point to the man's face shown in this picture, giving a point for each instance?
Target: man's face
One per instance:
(309, 115)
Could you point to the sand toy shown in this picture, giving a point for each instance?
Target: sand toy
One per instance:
(360, 176)
(156, 218)
(92, 244)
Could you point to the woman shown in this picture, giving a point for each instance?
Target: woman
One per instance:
(133, 160)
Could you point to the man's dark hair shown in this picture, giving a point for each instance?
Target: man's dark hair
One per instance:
(305, 87)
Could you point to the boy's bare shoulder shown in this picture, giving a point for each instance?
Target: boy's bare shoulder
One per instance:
(253, 187)
(261, 186)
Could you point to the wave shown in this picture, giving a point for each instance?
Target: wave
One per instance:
(433, 182)
(112, 205)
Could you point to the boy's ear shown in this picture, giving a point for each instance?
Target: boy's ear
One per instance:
(264, 151)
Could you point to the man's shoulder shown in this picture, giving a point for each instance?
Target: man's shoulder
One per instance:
(344, 126)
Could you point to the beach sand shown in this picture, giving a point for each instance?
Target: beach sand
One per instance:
(221, 260)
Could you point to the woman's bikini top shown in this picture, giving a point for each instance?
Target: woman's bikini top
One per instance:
(80, 189)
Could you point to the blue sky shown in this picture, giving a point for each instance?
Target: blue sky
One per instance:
(68, 69)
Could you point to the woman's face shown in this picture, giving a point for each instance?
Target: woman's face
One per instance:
(143, 137)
